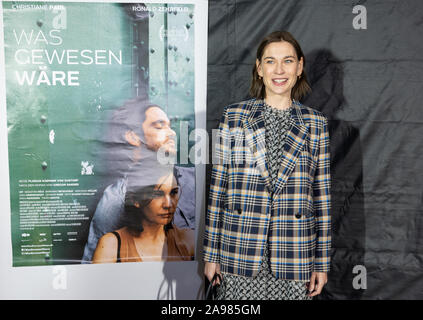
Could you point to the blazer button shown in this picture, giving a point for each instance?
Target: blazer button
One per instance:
(239, 211)
(298, 215)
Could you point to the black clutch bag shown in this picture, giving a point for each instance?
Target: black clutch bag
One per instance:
(211, 292)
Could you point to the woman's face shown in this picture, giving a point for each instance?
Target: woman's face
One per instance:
(161, 209)
(279, 67)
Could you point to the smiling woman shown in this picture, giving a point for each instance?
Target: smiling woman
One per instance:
(268, 220)
(280, 63)
(147, 233)
(279, 68)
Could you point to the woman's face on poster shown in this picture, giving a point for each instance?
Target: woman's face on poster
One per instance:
(162, 207)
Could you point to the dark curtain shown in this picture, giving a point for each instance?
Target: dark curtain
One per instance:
(369, 83)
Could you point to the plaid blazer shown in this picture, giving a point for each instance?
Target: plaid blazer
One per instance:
(241, 215)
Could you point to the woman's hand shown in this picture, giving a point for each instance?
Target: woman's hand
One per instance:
(317, 281)
(210, 269)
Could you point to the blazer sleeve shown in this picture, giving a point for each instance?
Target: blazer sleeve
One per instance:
(217, 194)
(322, 202)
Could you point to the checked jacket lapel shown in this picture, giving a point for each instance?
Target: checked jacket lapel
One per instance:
(294, 142)
(255, 136)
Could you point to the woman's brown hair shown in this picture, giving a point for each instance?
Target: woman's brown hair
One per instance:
(301, 87)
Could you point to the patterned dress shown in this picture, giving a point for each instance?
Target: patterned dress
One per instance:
(264, 286)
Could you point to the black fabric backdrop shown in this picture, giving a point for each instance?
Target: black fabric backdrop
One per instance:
(368, 83)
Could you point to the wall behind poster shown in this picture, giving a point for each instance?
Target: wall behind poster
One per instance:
(55, 132)
(364, 64)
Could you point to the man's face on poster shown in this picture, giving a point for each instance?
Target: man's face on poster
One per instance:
(157, 131)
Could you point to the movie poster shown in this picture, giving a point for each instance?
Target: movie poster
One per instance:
(100, 102)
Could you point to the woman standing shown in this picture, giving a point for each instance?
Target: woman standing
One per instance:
(268, 220)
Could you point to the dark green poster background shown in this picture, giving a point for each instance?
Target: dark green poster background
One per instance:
(68, 66)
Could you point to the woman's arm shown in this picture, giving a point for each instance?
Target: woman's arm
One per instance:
(106, 251)
(217, 194)
(322, 206)
(322, 203)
